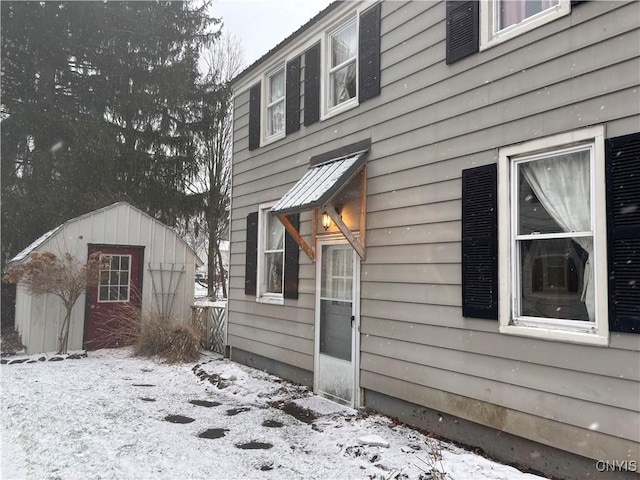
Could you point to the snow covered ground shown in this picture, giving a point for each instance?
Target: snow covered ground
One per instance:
(109, 416)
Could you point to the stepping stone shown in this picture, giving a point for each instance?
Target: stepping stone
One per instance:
(56, 359)
(20, 360)
(144, 399)
(74, 356)
(235, 411)
(204, 403)
(214, 433)
(272, 424)
(143, 385)
(254, 446)
(179, 419)
(296, 411)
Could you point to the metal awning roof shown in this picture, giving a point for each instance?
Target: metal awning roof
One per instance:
(320, 184)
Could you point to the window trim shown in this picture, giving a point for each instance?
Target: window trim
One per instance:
(267, 138)
(598, 334)
(328, 111)
(261, 295)
(488, 13)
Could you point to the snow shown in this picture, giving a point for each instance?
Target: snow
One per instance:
(104, 417)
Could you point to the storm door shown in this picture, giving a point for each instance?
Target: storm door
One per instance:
(337, 323)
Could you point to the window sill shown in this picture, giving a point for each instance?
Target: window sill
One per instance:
(271, 300)
(272, 139)
(567, 336)
(338, 109)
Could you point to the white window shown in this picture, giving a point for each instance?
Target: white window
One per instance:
(275, 104)
(342, 66)
(553, 238)
(270, 256)
(113, 283)
(504, 19)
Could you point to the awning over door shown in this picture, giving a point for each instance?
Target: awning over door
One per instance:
(316, 190)
(320, 184)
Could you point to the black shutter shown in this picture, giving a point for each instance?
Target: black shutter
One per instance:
(480, 242)
(369, 53)
(293, 96)
(312, 85)
(463, 29)
(623, 225)
(254, 117)
(251, 255)
(291, 260)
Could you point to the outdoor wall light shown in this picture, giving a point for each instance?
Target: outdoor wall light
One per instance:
(326, 218)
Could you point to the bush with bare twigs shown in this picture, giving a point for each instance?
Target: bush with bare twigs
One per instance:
(64, 276)
(153, 336)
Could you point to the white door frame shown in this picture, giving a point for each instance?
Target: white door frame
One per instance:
(355, 342)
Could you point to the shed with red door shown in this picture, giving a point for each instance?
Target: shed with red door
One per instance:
(147, 265)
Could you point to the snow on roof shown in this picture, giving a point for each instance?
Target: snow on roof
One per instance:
(40, 241)
(34, 245)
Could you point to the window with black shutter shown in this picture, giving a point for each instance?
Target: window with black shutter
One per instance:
(623, 225)
(369, 53)
(293, 96)
(251, 255)
(480, 242)
(271, 257)
(312, 85)
(254, 117)
(463, 34)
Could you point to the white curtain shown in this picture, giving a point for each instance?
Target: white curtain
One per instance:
(562, 184)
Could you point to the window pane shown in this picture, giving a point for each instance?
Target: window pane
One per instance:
(275, 233)
(554, 194)
(343, 84)
(104, 293)
(124, 263)
(276, 86)
(344, 45)
(124, 293)
(553, 278)
(275, 119)
(273, 272)
(515, 11)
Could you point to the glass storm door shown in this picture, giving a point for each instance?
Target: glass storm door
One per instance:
(336, 323)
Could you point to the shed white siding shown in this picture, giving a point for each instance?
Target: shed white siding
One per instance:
(38, 318)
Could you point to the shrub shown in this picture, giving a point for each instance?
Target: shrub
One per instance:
(11, 343)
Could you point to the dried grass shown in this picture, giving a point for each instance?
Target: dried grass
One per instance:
(154, 336)
(11, 343)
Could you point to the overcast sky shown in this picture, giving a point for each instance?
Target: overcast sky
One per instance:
(262, 24)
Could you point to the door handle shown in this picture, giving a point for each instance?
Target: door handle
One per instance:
(352, 319)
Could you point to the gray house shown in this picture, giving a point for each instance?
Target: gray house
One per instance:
(435, 215)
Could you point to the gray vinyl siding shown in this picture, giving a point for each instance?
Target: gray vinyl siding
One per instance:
(429, 123)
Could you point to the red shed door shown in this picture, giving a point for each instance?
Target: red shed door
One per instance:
(114, 302)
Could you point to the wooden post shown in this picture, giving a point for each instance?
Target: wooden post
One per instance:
(297, 237)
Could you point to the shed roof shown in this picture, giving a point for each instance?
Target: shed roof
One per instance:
(320, 184)
(44, 238)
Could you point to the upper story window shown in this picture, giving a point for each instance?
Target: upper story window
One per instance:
(342, 64)
(275, 104)
(504, 19)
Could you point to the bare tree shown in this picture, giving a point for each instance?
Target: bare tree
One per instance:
(211, 185)
(64, 276)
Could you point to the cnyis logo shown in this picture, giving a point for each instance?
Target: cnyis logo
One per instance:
(617, 465)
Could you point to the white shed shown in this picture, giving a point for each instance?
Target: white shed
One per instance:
(150, 267)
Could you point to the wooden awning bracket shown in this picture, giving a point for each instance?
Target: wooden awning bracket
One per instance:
(348, 234)
(310, 252)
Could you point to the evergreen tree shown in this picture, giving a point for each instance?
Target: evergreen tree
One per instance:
(97, 106)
